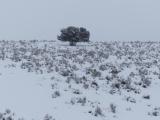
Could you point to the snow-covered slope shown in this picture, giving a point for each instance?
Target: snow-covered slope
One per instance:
(94, 81)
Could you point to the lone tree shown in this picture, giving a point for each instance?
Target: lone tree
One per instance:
(74, 34)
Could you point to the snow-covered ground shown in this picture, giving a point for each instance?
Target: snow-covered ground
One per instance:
(92, 81)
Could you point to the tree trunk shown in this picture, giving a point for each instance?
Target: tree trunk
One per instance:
(72, 43)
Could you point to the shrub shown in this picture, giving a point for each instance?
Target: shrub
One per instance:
(56, 94)
(74, 34)
(113, 108)
(98, 111)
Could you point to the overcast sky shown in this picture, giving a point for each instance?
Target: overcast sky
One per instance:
(106, 19)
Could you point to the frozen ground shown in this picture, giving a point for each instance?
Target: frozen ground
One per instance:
(95, 81)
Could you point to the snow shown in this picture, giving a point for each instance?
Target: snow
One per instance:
(29, 93)
(26, 94)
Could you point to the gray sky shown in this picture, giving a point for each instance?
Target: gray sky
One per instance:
(106, 19)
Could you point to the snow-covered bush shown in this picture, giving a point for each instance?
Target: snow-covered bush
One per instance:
(9, 115)
(98, 111)
(113, 108)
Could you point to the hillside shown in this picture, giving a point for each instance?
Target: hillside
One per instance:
(48, 80)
